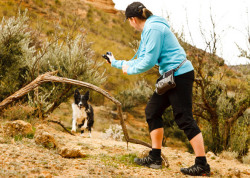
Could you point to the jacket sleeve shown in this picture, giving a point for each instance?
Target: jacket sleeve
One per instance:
(153, 45)
(118, 63)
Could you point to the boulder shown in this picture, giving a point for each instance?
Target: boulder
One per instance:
(71, 152)
(44, 138)
(18, 127)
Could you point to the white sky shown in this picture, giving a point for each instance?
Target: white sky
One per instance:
(230, 16)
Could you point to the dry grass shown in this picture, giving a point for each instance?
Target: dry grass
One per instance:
(229, 155)
(246, 159)
(18, 111)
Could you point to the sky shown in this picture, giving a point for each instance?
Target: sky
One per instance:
(231, 19)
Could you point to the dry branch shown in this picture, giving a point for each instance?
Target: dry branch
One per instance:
(58, 122)
(49, 77)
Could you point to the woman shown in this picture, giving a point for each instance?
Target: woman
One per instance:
(159, 46)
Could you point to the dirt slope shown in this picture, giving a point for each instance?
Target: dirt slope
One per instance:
(104, 158)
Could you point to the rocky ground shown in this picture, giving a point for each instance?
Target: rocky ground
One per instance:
(99, 158)
(49, 151)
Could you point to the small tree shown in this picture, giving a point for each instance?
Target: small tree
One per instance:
(72, 58)
(213, 102)
(211, 97)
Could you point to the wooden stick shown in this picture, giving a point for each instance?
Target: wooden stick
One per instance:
(58, 122)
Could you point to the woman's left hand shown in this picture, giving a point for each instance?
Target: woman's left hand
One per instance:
(125, 68)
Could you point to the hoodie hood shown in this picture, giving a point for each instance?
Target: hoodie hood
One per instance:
(152, 20)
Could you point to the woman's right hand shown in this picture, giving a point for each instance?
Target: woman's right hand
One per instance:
(111, 57)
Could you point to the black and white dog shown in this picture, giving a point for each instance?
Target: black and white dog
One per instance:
(83, 113)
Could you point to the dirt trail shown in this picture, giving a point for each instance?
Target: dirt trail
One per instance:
(104, 158)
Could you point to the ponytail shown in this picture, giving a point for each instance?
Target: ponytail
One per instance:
(145, 13)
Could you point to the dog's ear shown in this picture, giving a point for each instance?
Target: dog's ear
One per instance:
(86, 96)
(77, 93)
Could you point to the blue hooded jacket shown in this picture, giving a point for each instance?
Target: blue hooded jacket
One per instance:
(158, 46)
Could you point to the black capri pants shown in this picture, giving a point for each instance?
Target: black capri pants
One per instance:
(180, 98)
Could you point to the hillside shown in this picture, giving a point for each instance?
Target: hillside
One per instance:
(105, 30)
(243, 69)
(103, 26)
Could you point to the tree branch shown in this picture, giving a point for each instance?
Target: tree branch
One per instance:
(58, 122)
(49, 77)
(240, 112)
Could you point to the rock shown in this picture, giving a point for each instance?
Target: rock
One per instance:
(237, 172)
(44, 138)
(71, 152)
(106, 5)
(18, 127)
(2, 140)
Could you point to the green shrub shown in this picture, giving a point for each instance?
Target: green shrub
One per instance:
(72, 59)
(229, 155)
(131, 97)
(18, 138)
(15, 55)
(240, 136)
(69, 54)
(58, 2)
(246, 159)
(127, 159)
(90, 14)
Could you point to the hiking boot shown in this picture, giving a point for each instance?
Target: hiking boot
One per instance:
(149, 161)
(197, 170)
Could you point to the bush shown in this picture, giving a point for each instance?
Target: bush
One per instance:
(17, 112)
(246, 159)
(229, 155)
(58, 2)
(15, 54)
(69, 54)
(114, 131)
(137, 95)
(240, 136)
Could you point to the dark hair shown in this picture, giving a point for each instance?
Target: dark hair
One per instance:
(137, 9)
(145, 14)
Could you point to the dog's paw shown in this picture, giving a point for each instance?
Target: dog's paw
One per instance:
(82, 135)
(73, 131)
(90, 135)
